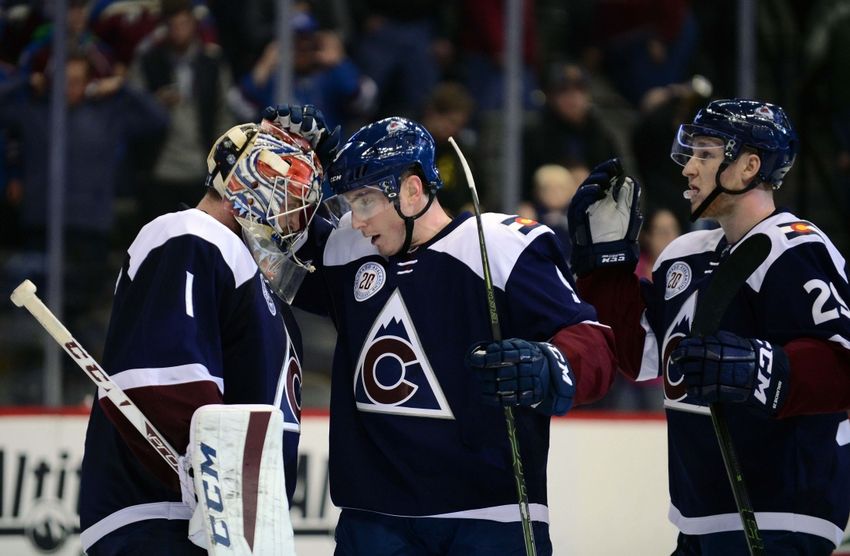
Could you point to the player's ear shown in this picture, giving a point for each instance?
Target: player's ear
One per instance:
(752, 165)
(413, 187)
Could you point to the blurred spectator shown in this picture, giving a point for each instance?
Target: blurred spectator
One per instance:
(481, 31)
(103, 116)
(37, 53)
(826, 97)
(125, 25)
(717, 45)
(252, 25)
(191, 80)
(660, 229)
(565, 31)
(569, 132)
(10, 179)
(18, 21)
(395, 46)
(447, 114)
(646, 43)
(324, 76)
(554, 187)
(662, 110)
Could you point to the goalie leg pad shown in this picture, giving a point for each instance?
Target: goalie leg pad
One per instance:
(237, 457)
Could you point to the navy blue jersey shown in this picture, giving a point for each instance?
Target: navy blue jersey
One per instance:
(797, 468)
(193, 323)
(409, 433)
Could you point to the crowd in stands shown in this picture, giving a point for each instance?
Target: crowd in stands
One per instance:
(151, 83)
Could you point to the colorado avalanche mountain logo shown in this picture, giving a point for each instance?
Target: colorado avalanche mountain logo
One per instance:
(394, 126)
(393, 374)
(674, 387)
(289, 393)
(765, 112)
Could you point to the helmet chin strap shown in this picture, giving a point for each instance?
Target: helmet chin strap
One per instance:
(408, 220)
(718, 189)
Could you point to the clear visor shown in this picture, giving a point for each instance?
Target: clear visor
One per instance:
(692, 142)
(284, 273)
(363, 203)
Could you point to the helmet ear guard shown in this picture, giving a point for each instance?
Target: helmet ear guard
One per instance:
(225, 153)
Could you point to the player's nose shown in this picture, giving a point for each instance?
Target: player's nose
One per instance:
(689, 169)
(356, 221)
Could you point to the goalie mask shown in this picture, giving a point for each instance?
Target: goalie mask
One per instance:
(273, 181)
(734, 125)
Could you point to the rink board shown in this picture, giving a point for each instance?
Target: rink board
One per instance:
(607, 485)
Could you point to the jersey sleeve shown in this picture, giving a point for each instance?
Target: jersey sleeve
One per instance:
(618, 295)
(803, 297)
(164, 344)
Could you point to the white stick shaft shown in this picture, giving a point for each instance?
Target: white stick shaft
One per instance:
(470, 181)
(24, 296)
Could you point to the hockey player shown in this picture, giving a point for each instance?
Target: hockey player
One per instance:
(418, 464)
(780, 365)
(196, 321)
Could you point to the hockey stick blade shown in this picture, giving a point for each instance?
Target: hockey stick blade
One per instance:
(727, 280)
(25, 296)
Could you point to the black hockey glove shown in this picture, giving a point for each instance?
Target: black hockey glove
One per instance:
(308, 122)
(517, 372)
(730, 369)
(604, 219)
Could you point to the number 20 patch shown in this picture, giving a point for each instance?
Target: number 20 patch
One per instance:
(677, 280)
(368, 281)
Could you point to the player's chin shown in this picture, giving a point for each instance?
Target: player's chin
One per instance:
(385, 248)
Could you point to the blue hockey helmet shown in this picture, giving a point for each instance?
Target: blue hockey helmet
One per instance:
(741, 123)
(379, 153)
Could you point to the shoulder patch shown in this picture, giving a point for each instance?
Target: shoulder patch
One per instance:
(368, 280)
(798, 228)
(521, 225)
(677, 280)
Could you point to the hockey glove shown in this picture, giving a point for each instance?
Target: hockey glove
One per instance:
(727, 368)
(604, 219)
(517, 372)
(308, 122)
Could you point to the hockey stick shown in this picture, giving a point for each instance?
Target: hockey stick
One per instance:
(727, 280)
(258, 532)
(24, 296)
(519, 478)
